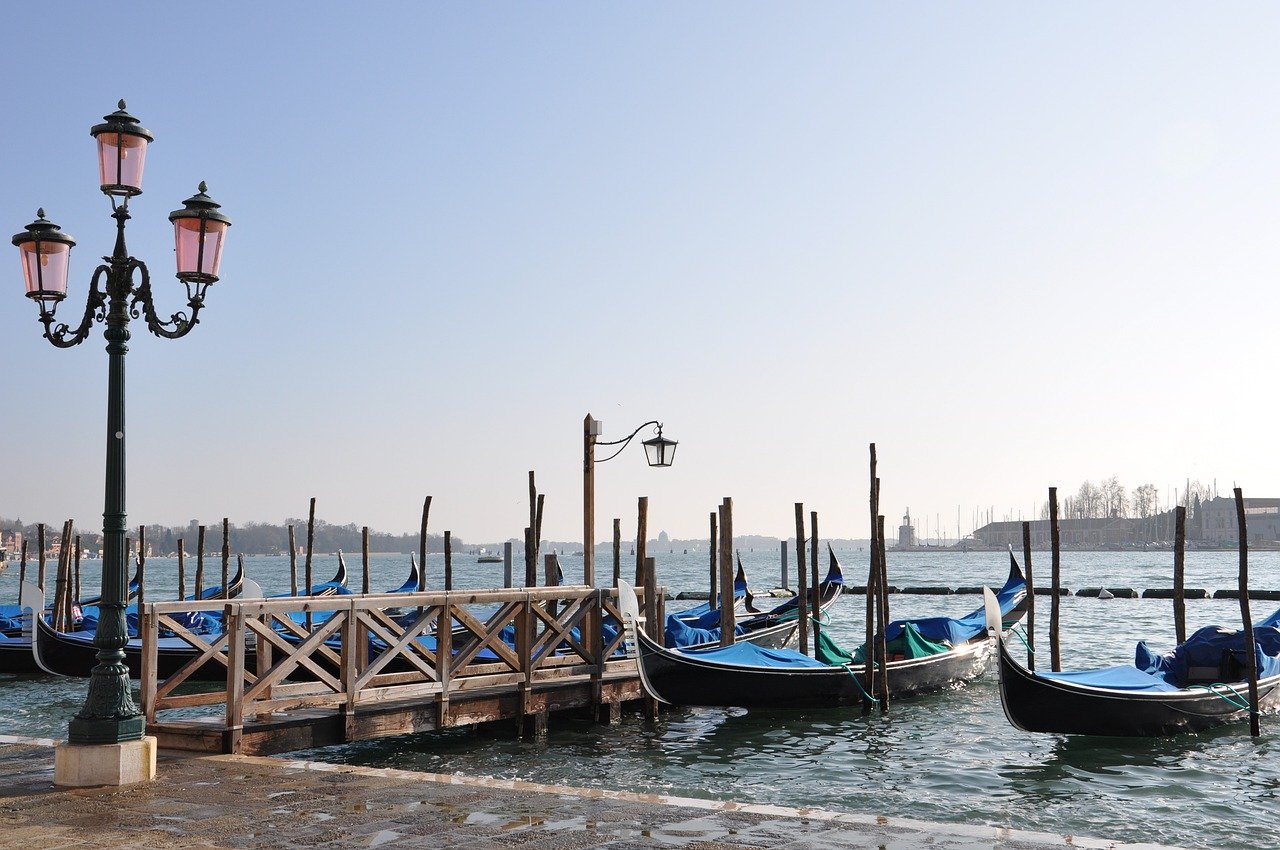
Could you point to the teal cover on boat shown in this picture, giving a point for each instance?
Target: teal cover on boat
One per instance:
(909, 643)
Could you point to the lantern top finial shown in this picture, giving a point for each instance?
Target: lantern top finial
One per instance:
(42, 230)
(121, 121)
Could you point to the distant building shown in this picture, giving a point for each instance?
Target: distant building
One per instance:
(1220, 526)
(906, 533)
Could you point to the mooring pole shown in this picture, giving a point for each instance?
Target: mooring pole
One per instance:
(1031, 596)
(1179, 576)
(1251, 655)
(1055, 656)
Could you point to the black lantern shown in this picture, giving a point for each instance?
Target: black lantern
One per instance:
(46, 259)
(122, 152)
(659, 451)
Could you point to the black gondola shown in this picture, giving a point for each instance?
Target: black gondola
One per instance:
(1125, 701)
(755, 677)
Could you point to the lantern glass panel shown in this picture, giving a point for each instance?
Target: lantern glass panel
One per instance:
(659, 451)
(45, 266)
(187, 235)
(121, 157)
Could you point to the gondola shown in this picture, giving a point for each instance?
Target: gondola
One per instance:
(1197, 686)
(754, 677)
(774, 628)
(74, 653)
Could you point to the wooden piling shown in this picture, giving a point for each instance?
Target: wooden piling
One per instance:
(714, 558)
(76, 597)
(642, 536)
(364, 558)
(422, 545)
(182, 571)
(882, 611)
(1179, 575)
(530, 559)
(41, 561)
(508, 579)
(652, 626)
(1055, 653)
(448, 560)
(783, 555)
(873, 593)
(815, 590)
(802, 583)
(293, 562)
(307, 573)
(22, 564)
(226, 553)
(142, 572)
(1031, 595)
(617, 550)
(60, 609)
(199, 588)
(1251, 655)
(728, 616)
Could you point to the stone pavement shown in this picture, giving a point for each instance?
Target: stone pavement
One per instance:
(248, 802)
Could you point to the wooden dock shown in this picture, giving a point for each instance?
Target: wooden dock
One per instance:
(515, 655)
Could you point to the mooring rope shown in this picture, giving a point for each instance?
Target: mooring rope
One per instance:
(1241, 702)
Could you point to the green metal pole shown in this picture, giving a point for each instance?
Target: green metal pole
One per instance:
(109, 715)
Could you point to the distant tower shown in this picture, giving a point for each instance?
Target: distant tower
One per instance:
(906, 534)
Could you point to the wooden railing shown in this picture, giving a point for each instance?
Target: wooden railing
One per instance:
(379, 648)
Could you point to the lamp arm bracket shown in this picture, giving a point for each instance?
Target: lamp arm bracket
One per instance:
(179, 324)
(625, 441)
(95, 309)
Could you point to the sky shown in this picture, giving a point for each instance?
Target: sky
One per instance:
(1013, 245)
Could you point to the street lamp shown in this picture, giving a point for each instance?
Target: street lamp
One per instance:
(658, 451)
(109, 715)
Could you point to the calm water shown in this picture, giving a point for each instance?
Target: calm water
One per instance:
(949, 757)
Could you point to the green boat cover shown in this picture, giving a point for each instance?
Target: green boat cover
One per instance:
(910, 643)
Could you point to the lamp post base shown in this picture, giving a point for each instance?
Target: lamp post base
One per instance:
(90, 765)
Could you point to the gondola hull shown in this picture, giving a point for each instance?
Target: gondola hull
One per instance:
(75, 655)
(1034, 703)
(685, 678)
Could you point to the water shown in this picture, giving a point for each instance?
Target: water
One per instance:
(949, 757)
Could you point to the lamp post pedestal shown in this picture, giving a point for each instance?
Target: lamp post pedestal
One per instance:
(93, 765)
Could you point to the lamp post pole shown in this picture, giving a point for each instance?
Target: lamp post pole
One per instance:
(109, 714)
(658, 450)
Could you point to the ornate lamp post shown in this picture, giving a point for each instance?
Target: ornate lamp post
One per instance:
(658, 451)
(109, 715)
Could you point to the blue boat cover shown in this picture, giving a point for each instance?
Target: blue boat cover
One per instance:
(677, 632)
(754, 656)
(1121, 678)
(966, 628)
(1216, 648)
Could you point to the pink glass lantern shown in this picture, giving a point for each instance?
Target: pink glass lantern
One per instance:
(46, 256)
(122, 152)
(199, 231)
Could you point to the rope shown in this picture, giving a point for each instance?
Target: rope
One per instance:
(1241, 702)
(1015, 630)
(868, 697)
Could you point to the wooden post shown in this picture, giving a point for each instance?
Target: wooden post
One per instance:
(871, 680)
(882, 606)
(199, 562)
(182, 571)
(142, 573)
(226, 553)
(308, 576)
(1055, 655)
(76, 598)
(1179, 589)
(364, 557)
(293, 563)
(642, 536)
(802, 582)
(422, 545)
(783, 585)
(507, 577)
(448, 560)
(728, 618)
(40, 543)
(537, 525)
(617, 550)
(1251, 655)
(59, 607)
(530, 559)
(652, 625)
(550, 566)
(589, 432)
(815, 590)
(714, 557)
(1031, 595)
(22, 565)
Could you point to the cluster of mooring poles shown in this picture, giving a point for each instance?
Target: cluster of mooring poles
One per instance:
(1179, 593)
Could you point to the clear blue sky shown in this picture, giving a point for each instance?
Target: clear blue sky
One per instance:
(1016, 245)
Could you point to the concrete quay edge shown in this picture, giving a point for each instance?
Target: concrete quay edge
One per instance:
(569, 817)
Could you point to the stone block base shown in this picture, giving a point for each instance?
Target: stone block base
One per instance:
(88, 765)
